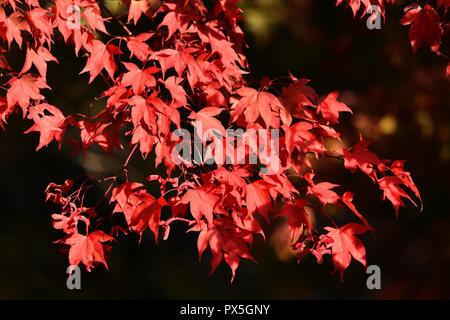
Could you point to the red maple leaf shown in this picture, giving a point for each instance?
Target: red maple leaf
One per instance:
(137, 8)
(393, 192)
(147, 214)
(330, 107)
(24, 89)
(405, 176)
(323, 193)
(298, 95)
(50, 122)
(258, 198)
(174, 20)
(202, 203)
(126, 197)
(205, 119)
(41, 24)
(15, 24)
(226, 242)
(360, 157)
(101, 57)
(345, 246)
(94, 17)
(141, 111)
(297, 218)
(39, 58)
(87, 249)
(104, 130)
(139, 79)
(179, 97)
(425, 28)
(254, 104)
(141, 209)
(138, 47)
(299, 136)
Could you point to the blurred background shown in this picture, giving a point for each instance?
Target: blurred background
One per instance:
(399, 99)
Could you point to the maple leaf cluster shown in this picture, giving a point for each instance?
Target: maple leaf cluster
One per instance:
(189, 65)
(427, 24)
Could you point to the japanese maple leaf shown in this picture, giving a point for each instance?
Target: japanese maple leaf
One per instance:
(254, 104)
(174, 20)
(214, 97)
(138, 47)
(281, 185)
(24, 89)
(247, 222)
(141, 111)
(207, 123)
(87, 249)
(198, 67)
(323, 193)
(94, 17)
(179, 96)
(393, 192)
(233, 179)
(330, 108)
(101, 57)
(65, 12)
(105, 132)
(147, 214)
(180, 60)
(425, 27)
(15, 24)
(167, 114)
(226, 242)
(141, 209)
(405, 176)
(295, 212)
(50, 122)
(258, 198)
(144, 138)
(298, 136)
(137, 8)
(360, 157)
(41, 25)
(139, 79)
(202, 203)
(127, 199)
(298, 95)
(210, 34)
(39, 58)
(346, 245)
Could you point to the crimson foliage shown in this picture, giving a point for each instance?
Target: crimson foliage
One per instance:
(187, 68)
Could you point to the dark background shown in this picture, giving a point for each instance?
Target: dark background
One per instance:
(399, 99)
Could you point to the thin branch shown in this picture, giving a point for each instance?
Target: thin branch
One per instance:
(124, 26)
